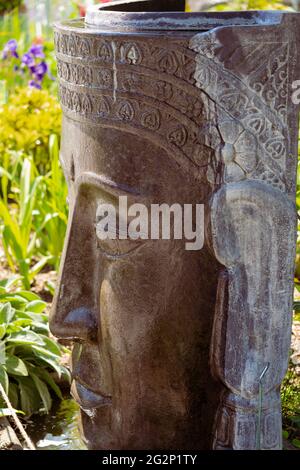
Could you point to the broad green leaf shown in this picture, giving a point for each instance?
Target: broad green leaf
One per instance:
(18, 325)
(15, 366)
(52, 345)
(2, 352)
(285, 434)
(4, 381)
(49, 362)
(13, 394)
(40, 328)
(16, 301)
(43, 391)
(46, 376)
(30, 296)
(296, 443)
(2, 331)
(29, 396)
(36, 306)
(7, 283)
(6, 313)
(25, 337)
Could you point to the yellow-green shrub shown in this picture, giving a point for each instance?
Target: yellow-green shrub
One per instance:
(26, 122)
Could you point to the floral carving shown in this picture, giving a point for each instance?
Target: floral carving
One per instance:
(76, 103)
(72, 50)
(125, 111)
(167, 62)
(131, 82)
(151, 119)
(104, 107)
(276, 147)
(238, 152)
(178, 136)
(63, 70)
(209, 45)
(130, 54)
(104, 51)
(84, 48)
(86, 105)
(105, 78)
(164, 90)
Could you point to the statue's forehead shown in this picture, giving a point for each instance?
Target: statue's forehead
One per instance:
(128, 161)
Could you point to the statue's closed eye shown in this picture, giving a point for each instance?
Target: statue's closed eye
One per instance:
(113, 240)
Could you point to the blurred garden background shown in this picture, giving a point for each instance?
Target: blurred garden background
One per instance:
(33, 219)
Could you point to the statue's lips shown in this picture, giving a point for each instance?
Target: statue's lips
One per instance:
(87, 399)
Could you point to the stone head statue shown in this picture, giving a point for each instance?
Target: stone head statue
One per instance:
(176, 348)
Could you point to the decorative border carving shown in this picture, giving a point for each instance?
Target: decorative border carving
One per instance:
(168, 73)
(255, 101)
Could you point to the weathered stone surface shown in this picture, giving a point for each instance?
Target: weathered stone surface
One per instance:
(8, 437)
(180, 349)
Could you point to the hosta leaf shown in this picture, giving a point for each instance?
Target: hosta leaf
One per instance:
(2, 352)
(40, 328)
(30, 296)
(50, 362)
(13, 394)
(16, 301)
(43, 391)
(46, 376)
(36, 306)
(15, 366)
(2, 331)
(35, 317)
(66, 373)
(44, 352)
(7, 283)
(25, 337)
(6, 313)
(4, 381)
(18, 324)
(51, 345)
(29, 396)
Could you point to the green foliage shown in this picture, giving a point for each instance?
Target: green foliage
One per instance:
(26, 123)
(28, 356)
(17, 237)
(242, 5)
(33, 192)
(6, 6)
(35, 220)
(290, 393)
(290, 396)
(51, 218)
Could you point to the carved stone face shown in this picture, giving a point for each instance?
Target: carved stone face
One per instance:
(198, 114)
(137, 311)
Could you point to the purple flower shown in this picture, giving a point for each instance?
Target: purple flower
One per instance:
(34, 84)
(28, 60)
(37, 51)
(40, 70)
(10, 48)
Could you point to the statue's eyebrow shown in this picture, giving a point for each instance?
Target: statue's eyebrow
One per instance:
(106, 184)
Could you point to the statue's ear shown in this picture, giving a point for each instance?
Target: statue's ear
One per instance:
(245, 218)
(253, 234)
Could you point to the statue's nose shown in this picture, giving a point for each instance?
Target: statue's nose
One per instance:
(78, 324)
(74, 313)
